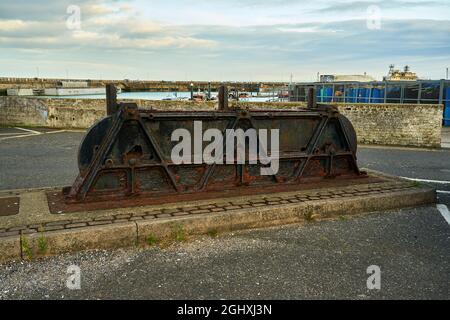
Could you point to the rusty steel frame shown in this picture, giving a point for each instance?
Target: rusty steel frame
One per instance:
(125, 155)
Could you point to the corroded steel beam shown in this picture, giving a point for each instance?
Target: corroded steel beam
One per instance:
(128, 154)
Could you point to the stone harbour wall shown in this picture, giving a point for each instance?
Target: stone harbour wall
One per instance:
(415, 125)
(396, 124)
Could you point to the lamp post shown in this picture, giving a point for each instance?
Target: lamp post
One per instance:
(192, 91)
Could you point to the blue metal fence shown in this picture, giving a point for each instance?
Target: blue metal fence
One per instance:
(403, 92)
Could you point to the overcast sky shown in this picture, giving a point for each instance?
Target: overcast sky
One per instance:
(245, 40)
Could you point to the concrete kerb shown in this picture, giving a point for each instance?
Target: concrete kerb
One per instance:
(121, 235)
(163, 231)
(10, 249)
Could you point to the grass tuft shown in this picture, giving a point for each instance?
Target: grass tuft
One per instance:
(309, 216)
(180, 233)
(152, 240)
(212, 233)
(26, 247)
(42, 244)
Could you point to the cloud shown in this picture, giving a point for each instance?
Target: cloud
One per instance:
(45, 10)
(115, 41)
(126, 25)
(12, 25)
(314, 29)
(345, 6)
(104, 24)
(222, 39)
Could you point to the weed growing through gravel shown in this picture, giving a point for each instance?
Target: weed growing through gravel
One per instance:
(152, 240)
(180, 233)
(309, 216)
(212, 233)
(26, 247)
(42, 244)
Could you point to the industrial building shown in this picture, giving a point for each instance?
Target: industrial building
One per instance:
(388, 91)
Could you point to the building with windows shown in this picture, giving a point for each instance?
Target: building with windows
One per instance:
(388, 91)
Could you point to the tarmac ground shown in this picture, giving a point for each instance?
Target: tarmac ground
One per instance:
(316, 260)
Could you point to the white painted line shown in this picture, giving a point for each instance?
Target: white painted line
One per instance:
(33, 133)
(12, 134)
(30, 133)
(62, 130)
(57, 131)
(444, 212)
(21, 136)
(442, 191)
(28, 130)
(425, 180)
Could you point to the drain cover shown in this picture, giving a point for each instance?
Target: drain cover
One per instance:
(9, 206)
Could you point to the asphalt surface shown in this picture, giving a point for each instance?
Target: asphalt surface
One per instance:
(43, 160)
(319, 260)
(50, 159)
(316, 260)
(418, 164)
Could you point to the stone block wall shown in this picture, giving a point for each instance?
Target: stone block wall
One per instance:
(396, 124)
(385, 124)
(23, 111)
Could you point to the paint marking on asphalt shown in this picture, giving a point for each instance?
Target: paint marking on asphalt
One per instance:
(28, 130)
(442, 191)
(426, 180)
(12, 134)
(31, 133)
(57, 131)
(444, 212)
(21, 136)
(28, 133)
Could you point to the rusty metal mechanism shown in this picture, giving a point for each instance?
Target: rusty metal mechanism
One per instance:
(128, 153)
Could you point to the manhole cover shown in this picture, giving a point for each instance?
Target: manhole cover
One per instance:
(9, 206)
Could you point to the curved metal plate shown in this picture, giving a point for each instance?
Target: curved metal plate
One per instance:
(91, 141)
(350, 132)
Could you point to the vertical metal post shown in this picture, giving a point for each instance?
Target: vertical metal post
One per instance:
(357, 93)
(332, 94)
(209, 90)
(402, 93)
(344, 95)
(111, 99)
(192, 91)
(312, 99)
(322, 90)
(223, 97)
(419, 94)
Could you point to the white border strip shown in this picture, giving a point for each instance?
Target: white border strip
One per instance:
(28, 130)
(31, 133)
(444, 212)
(13, 134)
(19, 136)
(425, 180)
